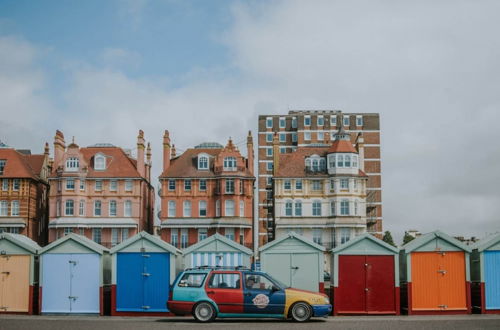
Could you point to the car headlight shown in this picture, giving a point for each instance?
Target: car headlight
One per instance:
(327, 301)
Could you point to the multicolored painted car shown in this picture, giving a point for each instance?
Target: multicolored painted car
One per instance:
(208, 293)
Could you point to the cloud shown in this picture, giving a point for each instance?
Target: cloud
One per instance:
(430, 69)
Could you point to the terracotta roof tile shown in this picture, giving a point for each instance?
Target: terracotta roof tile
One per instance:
(342, 146)
(19, 165)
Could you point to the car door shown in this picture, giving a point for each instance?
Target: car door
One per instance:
(262, 295)
(224, 288)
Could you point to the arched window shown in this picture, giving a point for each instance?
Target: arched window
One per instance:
(315, 165)
(72, 164)
(340, 161)
(316, 208)
(171, 209)
(202, 208)
(202, 162)
(230, 164)
(288, 208)
(187, 209)
(229, 208)
(99, 162)
(298, 208)
(347, 162)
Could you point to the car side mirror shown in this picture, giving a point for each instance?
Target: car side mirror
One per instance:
(275, 288)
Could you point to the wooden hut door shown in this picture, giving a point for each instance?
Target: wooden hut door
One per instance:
(451, 280)
(14, 283)
(380, 291)
(350, 297)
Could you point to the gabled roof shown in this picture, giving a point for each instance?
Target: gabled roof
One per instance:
(22, 241)
(143, 235)
(342, 146)
(365, 236)
(20, 165)
(424, 239)
(118, 164)
(295, 236)
(217, 237)
(82, 240)
(186, 165)
(487, 242)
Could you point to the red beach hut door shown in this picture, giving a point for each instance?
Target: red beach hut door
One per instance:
(380, 284)
(350, 295)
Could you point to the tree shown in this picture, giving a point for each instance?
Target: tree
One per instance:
(407, 238)
(388, 238)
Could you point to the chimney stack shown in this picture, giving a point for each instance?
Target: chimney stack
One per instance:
(166, 151)
(140, 154)
(59, 148)
(174, 153)
(360, 146)
(250, 154)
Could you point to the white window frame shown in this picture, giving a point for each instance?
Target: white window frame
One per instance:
(99, 162)
(4, 208)
(346, 120)
(242, 208)
(96, 203)
(282, 122)
(98, 185)
(113, 185)
(269, 121)
(269, 166)
(229, 186)
(359, 120)
(287, 184)
(333, 208)
(344, 207)
(16, 184)
(321, 136)
(333, 120)
(186, 209)
(112, 208)
(229, 208)
(288, 208)
(72, 164)
(202, 234)
(217, 208)
(171, 185)
(202, 162)
(294, 122)
(171, 209)
(316, 185)
(127, 208)
(14, 208)
(202, 208)
(316, 208)
(298, 184)
(297, 208)
(202, 187)
(5, 184)
(82, 184)
(70, 184)
(69, 205)
(230, 163)
(307, 136)
(174, 237)
(269, 152)
(317, 234)
(187, 184)
(307, 120)
(129, 185)
(321, 119)
(294, 137)
(81, 208)
(97, 235)
(269, 137)
(229, 233)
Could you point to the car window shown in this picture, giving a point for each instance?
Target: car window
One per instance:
(224, 281)
(258, 282)
(193, 280)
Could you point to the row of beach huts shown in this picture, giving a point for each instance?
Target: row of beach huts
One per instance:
(433, 274)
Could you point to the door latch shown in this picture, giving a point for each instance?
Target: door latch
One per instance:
(146, 307)
(366, 289)
(442, 271)
(73, 262)
(6, 273)
(294, 267)
(73, 297)
(443, 306)
(146, 274)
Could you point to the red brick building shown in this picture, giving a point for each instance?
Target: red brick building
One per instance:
(207, 189)
(24, 192)
(100, 191)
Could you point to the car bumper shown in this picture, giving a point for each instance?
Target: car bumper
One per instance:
(180, 307)
(321, 310)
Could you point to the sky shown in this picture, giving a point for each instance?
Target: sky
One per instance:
(204, 70)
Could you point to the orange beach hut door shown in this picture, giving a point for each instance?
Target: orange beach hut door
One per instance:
(438, 281)
(14, 283)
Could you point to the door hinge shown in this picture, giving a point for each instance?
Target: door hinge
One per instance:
(146, 274)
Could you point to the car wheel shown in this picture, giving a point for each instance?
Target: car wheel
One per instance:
(204, 312)
(301, 312)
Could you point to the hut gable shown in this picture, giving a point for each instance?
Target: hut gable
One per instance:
(144, 242)
(217, 243)
(17, 244)
(291, 242)
(73, 243)
(435, 241)
(489, 243)
(366, 244)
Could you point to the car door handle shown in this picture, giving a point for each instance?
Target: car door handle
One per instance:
(210, 292)
(146, 274)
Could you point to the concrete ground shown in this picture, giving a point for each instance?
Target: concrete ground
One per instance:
(22, 322)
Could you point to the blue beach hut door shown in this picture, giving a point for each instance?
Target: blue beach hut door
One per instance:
(143, 282)
(492, 279)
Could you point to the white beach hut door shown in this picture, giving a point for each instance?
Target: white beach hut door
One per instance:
(55, 283)
(85, 279)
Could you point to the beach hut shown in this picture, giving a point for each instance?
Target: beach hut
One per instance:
(17, 273)
(142, 269)
(485, 272)
(71, 276)
(435, 277)
(365, 273)
(295, 261)
(216, 250)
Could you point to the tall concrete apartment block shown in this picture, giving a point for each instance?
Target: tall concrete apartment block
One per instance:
(316, 129)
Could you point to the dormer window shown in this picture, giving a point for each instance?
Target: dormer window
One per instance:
(315, 163)
(230, 164)
(99, 162)
(2, 165)
(203, 162)
(72, 164)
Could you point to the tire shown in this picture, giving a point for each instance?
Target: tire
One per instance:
(204, 312)
(301, 312)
